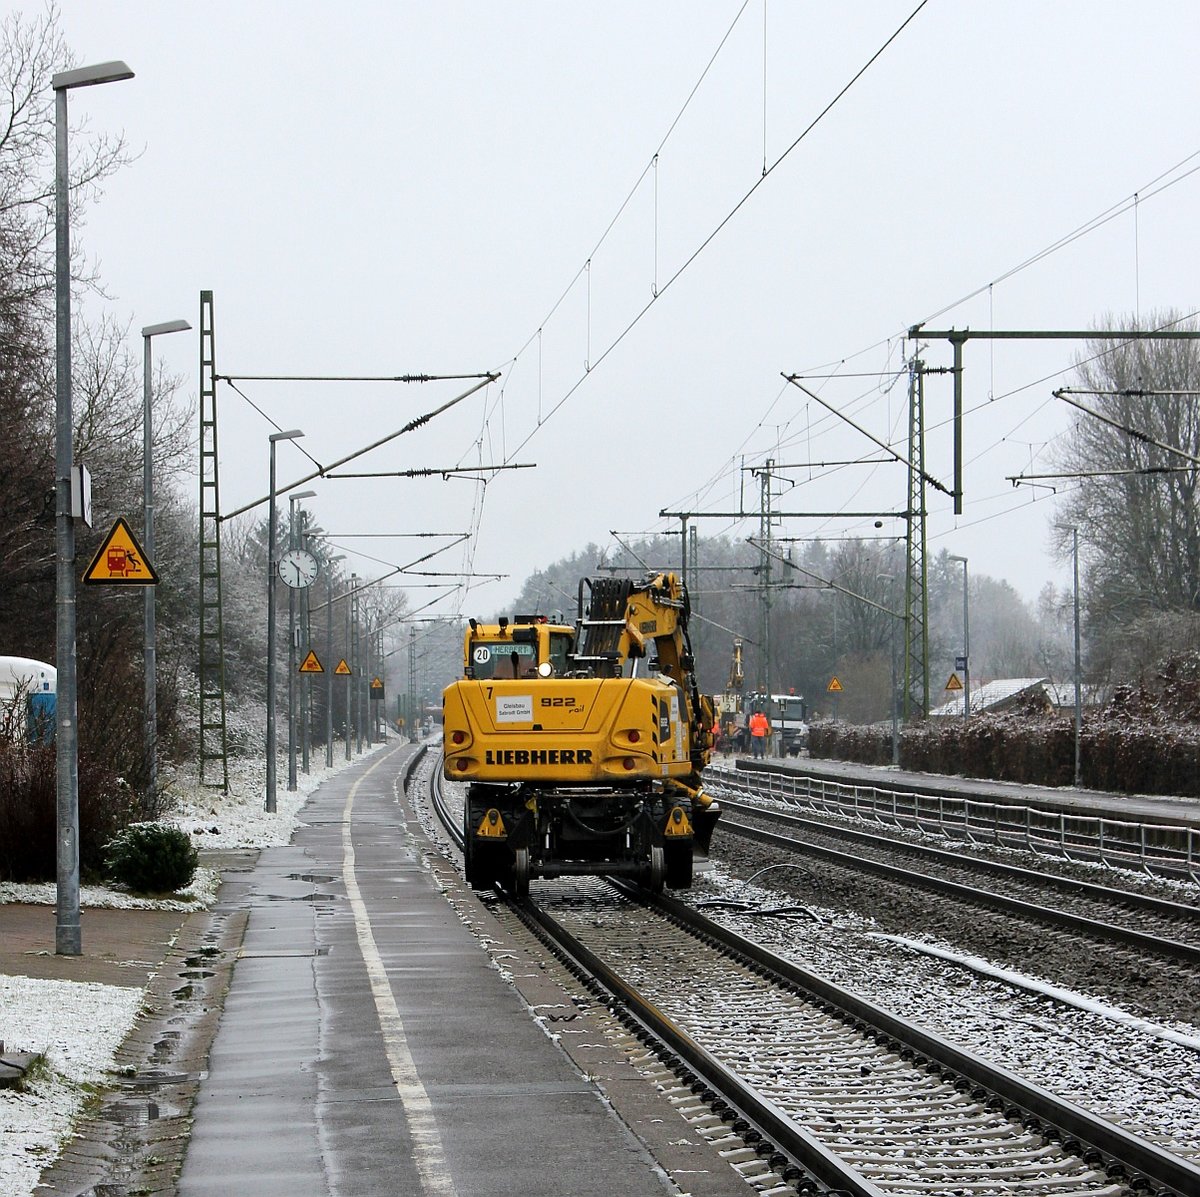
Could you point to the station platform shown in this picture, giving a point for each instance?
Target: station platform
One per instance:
(1138, 808)
(368, 1045)
(349, 1018)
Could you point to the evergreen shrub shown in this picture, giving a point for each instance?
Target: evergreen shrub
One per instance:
(151, 858)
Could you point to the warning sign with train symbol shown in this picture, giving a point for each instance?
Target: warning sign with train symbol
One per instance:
(120, 560)
(377, 689)
(311, 664)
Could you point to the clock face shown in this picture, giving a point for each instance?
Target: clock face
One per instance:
(298, 568)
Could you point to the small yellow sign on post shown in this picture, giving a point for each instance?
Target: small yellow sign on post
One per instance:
(342, 669)
(954, 683)
(834, 687)
(120, 561)
(311, 664)
(377, 683)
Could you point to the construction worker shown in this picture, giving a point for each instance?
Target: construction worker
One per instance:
(759, 730)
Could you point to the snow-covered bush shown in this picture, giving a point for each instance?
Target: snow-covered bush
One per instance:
(151, 858)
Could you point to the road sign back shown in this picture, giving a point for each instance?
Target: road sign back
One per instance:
(120, 561)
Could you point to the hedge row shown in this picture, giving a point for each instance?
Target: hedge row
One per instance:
(1118, 753)
(29, 812)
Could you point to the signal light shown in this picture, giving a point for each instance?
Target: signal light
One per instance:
(629, 763)
(461, 765)
(458, 736)
(635, 736)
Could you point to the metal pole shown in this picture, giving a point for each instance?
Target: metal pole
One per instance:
(67, 935)
(271, 639)
(895, 702)
(291, 681)
(149, 636)
(966, 638)
(272, 571)
(329, 666)
(368, 647)
(412, 681)
(1078, 687)
(305, 685)
(148, 629)
(358, 667)
(68, 940)
(966, 646)
(350, 695)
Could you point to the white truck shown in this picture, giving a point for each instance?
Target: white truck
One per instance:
(28, 691)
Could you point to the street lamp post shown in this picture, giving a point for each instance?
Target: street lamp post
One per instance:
(329, 562)
(1078, 686)
(351, 601)
(890, 578)
(272, 569)
(293, 542)
(966, 640)
(149, 636)
(67, 937)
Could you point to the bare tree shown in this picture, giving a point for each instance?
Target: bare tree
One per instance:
(31, 52)
(1139, 529)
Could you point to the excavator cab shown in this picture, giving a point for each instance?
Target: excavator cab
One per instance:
(576, 757)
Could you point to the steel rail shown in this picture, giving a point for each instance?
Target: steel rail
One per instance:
(1153, 944)
(1022, 1097)
(1057, 833)
(437, 798)
(1084, 1134)
(1070, 885)
(785, 1134)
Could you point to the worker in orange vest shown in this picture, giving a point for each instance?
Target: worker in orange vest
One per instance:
(759, 730)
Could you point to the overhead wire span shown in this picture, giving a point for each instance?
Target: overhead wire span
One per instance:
(434, 471)
(411, 426)
(1135, 433)
(650, 165)
(345, 377)
(1017, 479)
(637, 318)
(1089, 226)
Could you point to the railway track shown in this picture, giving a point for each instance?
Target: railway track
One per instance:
(1155, 848)
(826, 1091)
(1155, 926)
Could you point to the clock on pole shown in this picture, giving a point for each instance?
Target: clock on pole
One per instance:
(298, 568)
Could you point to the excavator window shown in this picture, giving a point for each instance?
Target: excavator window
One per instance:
(560, 647)
(503, 659)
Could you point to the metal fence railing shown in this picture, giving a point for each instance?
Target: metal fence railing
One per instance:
(1157, 849)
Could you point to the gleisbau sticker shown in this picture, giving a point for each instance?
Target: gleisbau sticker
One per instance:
(514, 708)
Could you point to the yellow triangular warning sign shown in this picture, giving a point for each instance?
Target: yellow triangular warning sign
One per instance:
(310, 664)
(377, 683)
(120, 561)
(342, 668)
(954, 683)
(834, 686)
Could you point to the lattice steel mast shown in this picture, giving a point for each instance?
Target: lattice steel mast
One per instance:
(214, 762)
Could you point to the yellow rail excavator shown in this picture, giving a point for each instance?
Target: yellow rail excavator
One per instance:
(582, 747)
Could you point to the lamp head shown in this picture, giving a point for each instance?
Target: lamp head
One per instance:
(89, 76)
(168, 326)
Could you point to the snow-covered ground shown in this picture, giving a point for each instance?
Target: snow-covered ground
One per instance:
(79, 1026)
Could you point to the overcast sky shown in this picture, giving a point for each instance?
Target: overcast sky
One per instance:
(392, 188)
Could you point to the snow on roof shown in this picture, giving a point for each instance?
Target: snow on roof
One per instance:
(1062, 694)
(991, 695)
